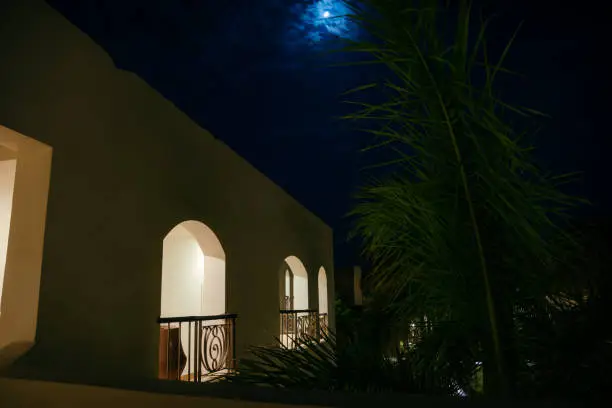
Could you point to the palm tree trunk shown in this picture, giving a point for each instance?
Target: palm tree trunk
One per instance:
(500, 360)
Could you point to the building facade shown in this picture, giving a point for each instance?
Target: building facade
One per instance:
(119, 212)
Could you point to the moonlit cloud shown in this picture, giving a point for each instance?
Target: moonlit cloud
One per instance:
(330, 16)
(315, 22)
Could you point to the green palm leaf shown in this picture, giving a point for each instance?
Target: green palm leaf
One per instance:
(463, 217)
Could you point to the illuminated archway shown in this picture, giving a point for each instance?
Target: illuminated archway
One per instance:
(8, 166)
(25, 168)
(323, 296)
(295, 283)
(295, 320)
(193, 290)
(193, 272)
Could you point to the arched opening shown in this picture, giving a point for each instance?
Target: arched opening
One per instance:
(25, 169)
(196, 335)
(193, 272)
(323, 300)
(296, 320)
(322, 284)
(296, 284)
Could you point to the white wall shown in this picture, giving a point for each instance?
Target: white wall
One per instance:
(300, 292)
(213, 299)
(182, 275)
(300, 282)
(287, 284)
(7, 182)
(323, 293)
(182, 278)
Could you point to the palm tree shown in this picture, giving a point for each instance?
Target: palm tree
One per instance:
(461, 226)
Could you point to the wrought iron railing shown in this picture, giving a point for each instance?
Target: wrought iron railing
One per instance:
(298, 325)
(323, 323)
(194, 348)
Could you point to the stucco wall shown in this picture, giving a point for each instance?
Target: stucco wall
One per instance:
(127, 167)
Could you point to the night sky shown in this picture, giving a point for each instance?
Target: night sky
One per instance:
(258, 75)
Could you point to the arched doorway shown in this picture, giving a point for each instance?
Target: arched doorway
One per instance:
(295, 284)
(296, 320)
(193, 305)
(193, 272)
(322, 284)
(323, 300)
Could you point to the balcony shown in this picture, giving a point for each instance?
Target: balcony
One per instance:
(197, 348)
(323, 324)
(299, 325)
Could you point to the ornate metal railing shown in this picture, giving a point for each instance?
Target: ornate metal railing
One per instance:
(297, 325)
(193, 348)
(323, 323)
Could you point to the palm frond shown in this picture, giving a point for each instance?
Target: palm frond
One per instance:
(356, 365)
(465, 218)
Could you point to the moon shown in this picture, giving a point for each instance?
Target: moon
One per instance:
(330, 16)
(320, 22)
